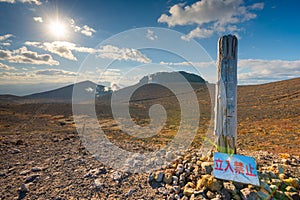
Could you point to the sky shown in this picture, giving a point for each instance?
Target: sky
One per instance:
(49, 44)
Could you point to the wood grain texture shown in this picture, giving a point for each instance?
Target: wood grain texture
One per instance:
(225, 127)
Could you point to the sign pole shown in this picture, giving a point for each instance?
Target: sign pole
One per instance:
(225, 127)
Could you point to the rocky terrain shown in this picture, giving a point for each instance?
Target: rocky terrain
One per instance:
(42, 156)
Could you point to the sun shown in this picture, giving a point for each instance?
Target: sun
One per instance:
(58, 29)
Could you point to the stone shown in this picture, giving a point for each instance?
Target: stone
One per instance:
(214, 185)
(15, 151)
(248, 194)
(31, 178)
(282, 176)
(182, 177)
(210, 194)
(207, 167)
(293, 195)
(167, 178)
(23, 188)
(188, 191)
(179, 168)
(230, 187)
(25, 172)
(116, 176)
(290, 189)
(130, 192)
(176, 189)
(225, 194)
(265, 187)
(2, 174)
(170, 156)
(280, 195)
(98, 183)
(150, 177)
(163, 190)
(262, 195)
(36, 169)
(292, 182)
(202, 182)
(159, 176)
(175, 180)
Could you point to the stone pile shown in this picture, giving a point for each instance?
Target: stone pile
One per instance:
(191, 177)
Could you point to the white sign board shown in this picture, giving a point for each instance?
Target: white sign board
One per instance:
(235, 168)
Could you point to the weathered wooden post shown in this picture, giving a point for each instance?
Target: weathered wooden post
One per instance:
(225, 127)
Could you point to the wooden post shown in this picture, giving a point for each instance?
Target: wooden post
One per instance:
(225, 127)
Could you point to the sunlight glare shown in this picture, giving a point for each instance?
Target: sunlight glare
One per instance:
(58, 29)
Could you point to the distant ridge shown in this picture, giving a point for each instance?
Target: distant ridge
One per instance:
(172, 77)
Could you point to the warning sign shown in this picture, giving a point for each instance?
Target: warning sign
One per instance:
(235, 168)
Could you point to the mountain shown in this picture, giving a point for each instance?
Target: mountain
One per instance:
(172, 77)
(84, 91)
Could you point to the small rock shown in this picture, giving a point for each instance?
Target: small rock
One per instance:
(36, 169)
(176, 189)
(175, 180)
(31, 178)
(2, 174)
(290, 189)
(280, 195)
(210, 194)
(179, 168)
(262, 195)
(207, 167)
(23, 188)
(229, 186)
(248, 194)
(150, 177)
(116, 176)
(15, 151)
(98, 183)
(170, 156)
(292, 182)
(130, 192)
(282, 176)
(265, 187)
(293, 195)
(25, 172)
(167, 178)
(159, 176)
(188, 191)
(214, 185)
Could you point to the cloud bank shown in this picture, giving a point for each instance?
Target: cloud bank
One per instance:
(211, 16)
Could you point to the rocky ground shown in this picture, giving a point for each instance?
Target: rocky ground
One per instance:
(54, 165)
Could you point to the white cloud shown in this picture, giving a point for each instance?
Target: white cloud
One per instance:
(198, 33)
(66, 49)
(38, 76)
(150, 35)
(23, 55)
(85, 29)
(38, 19)
(6, 67)
(62, 48)
(5, 37)
(194, 64)
(8, 1)
(210, 16)
(55, 72)
(5, 43)
(116, 53)
(36, 2)
(253, 71)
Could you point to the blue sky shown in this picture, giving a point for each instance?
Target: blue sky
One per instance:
(47, 44)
